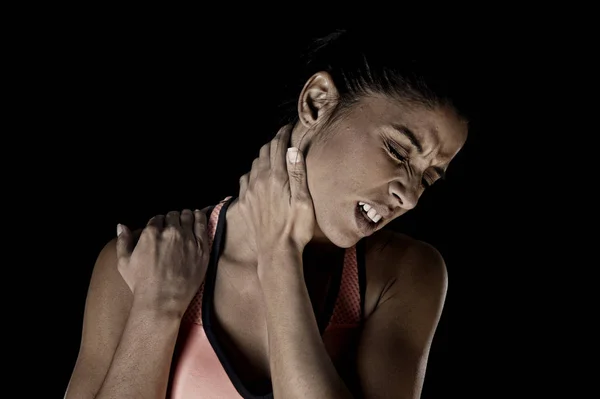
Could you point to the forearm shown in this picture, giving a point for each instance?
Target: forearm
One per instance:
(300, 365)
(141, 364)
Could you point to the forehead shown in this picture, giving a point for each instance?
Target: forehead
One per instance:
(438, 127)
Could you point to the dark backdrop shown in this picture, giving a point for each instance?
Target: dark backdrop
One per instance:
(147, 116)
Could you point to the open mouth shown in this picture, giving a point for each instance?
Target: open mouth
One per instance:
(369, 213)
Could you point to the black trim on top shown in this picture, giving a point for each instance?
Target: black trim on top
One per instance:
(208, 308)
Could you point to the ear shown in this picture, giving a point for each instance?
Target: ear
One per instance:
(318, 96)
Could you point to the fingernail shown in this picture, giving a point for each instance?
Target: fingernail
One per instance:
(119, 229)
(292, 154)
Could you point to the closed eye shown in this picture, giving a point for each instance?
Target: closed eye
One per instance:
(394, 152)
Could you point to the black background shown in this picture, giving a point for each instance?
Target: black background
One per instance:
(139, 115)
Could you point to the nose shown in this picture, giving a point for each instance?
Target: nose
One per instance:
(406, 196)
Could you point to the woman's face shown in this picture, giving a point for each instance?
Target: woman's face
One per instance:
(382, 152)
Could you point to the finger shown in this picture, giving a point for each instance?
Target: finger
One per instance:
(124, 242)
(187, 221)
(297, 174)
(200, 226)
(172, 220)
(243, 186)
(254, 170)
(264, 158)
(153, 228)
(279, 146)
(157, 222)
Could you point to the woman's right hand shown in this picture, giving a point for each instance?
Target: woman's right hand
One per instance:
(167, 266)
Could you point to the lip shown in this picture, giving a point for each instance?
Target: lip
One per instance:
(365, 227)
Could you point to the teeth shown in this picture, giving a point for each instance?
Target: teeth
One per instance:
(371, 213)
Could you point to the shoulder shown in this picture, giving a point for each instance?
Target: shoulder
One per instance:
(412, 267)
(405, 316)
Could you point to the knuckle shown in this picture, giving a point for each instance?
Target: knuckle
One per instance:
(200, 223)
(260, 184)
(303, 205)
(200, 217)
(171, 232)
(149, 234)
(150, 230)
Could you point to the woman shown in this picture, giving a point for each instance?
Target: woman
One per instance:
(292, 289)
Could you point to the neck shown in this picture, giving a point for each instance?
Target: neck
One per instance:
(240, 245)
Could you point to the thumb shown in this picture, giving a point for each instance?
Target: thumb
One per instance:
(297, 173)
(124, 242)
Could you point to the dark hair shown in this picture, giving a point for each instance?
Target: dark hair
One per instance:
(366, 62)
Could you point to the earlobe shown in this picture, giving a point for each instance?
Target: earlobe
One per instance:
(318, 96)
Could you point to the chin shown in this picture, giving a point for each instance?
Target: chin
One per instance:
(344, 242)
(334, 235)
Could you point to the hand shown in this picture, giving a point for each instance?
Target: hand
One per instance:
(167, 266)
(276, 199)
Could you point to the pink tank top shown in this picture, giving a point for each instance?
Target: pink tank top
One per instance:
(200, 368)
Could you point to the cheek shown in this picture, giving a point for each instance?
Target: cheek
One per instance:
(325, 185)
(313, 171)
(338, 168)
(316, 176)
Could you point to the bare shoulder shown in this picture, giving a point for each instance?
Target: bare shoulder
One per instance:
(412, 267)
(408, 287)
(107, 307)
(106, 311)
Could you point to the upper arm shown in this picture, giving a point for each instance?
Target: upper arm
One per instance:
(107, 308)
(392, 351)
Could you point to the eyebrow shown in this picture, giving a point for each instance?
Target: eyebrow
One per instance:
(409, 134)
(406, 132)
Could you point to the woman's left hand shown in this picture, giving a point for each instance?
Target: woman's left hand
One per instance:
(275, 196)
